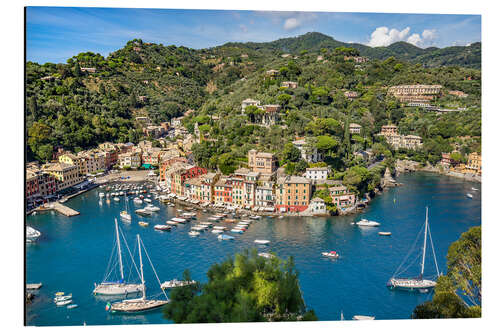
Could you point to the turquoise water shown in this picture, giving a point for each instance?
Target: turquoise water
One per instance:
(73, 253)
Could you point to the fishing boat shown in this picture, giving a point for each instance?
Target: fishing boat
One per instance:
(143, 212)
(121, 287)
(361, 317)
(32, 234)
(367, 223)
(469, 195)
(143, 224)
(418, 283)
(140, 304)
(385, 233)
(262, 241)
(193, 233)
(176, 284)
(331, 254)
(162, 227)
(225, 237)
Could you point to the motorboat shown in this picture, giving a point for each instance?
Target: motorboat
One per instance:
(360, 317)
(385, 233)
(219, 227)
(147, 200)
(152, 208)
(180, 220)
(217, 231)
(225, 237)
(172, 223)
(65, 302)
(262, 241)
(193, 233)
(102, 195)
(143, 212)
(116, 199)
(143, 224)
(176, 284)
(162, 227)
(62, 298)
(72, 306)
(124, 215)
(331, 254)
(367, 223)
(237, 231)
(137, 201)
(469, 195)
(32, 234)
(474, 189)
(266, 255)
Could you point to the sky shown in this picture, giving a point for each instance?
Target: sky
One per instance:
(54, 34)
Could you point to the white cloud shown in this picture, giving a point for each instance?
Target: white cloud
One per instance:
(382, 36)
(291, 23)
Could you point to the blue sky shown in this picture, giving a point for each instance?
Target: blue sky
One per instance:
(55, 34)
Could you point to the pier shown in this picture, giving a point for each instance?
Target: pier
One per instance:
(60, 208)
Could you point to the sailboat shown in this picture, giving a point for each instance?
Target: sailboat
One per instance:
(140, 304)
(124, 214)
(113, 288)
(419, 283)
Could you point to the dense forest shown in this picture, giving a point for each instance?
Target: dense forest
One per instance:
(71, 107)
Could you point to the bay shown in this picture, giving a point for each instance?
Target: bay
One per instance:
(72, 254)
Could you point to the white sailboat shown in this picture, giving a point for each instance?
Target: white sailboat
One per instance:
(140, 304)
(113, 288)
(124, 214)
(419, 283)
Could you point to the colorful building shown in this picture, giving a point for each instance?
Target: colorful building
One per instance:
(66, 175)
(264, 163)
(292, 194)
(341, 197)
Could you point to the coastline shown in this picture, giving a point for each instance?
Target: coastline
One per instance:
(404, 166)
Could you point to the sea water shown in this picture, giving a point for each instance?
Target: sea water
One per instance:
(73, 253)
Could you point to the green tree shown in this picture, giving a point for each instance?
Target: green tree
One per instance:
(246, 288)
(291, 153)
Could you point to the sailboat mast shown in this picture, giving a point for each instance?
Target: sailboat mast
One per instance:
(425, 241)
(119, 249)
(142, 271)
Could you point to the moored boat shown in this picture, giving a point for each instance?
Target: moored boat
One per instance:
(469, 195)
(32, 234)
(262, 241)
(176, 283)
(385, 233)
(367, 223)
(361, 317)
(331, 254)
(162, 227)
(143, 224)
(143, 212)
(193, 233)
(225, 237)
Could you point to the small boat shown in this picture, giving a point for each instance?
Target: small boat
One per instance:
(219, 227)
(262, 241)
(217, 231)
(385, 233)
(331, 254)
(137, 201)
(360, 317)
(474, 189)
(469, 195)
(266, 255)
(238, 231)
(194, 233)
(281, 216)
(176, 284)
(229, 220)
(62, 298)
(143, 224)
(116, 199)
(147, 200)
(124, 215)
(152, 208)
(72, 306)
(172, 223)
(225, 237)
(102, 195)
(367, 223)
(59, 293)
(255, 217)
(65, 302)
(162, 227)
(143, 212)
(178, 219)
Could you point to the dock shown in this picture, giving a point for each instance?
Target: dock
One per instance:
(65, 210)
(33, 286)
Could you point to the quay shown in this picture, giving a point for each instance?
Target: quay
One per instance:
(60, 208)
(33, 286)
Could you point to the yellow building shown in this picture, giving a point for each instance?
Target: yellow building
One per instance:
(79, 162)
(66, 175)
(474, 163)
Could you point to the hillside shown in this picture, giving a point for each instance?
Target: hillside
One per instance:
(466, 56)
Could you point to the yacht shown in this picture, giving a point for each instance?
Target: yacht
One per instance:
(367, 223)
(32, 234)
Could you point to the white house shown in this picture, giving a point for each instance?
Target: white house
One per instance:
(316, 174)
(318, 206)
(309, 154)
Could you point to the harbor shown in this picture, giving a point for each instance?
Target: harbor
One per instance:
(72, 254)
